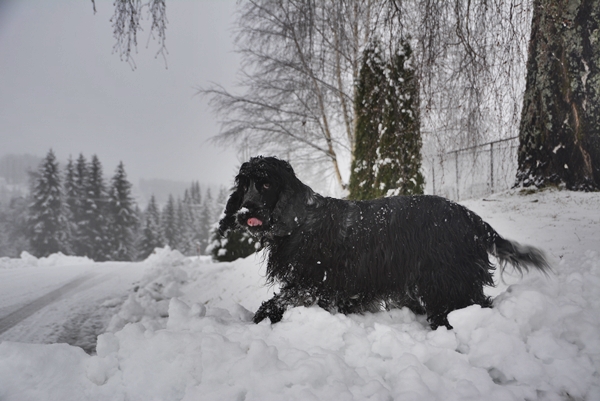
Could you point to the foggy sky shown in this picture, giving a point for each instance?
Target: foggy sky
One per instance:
(61, 87)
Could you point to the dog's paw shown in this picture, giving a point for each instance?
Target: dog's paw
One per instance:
(269, 309)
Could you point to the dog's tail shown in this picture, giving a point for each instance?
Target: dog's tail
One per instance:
(521, 257)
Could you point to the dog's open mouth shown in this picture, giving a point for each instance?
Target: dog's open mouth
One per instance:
(254, 222)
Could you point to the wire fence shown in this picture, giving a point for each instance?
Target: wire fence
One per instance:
(474, 171)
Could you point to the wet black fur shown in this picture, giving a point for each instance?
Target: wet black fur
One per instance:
(423, 252)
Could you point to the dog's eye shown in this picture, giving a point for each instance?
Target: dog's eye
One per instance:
(266, 185)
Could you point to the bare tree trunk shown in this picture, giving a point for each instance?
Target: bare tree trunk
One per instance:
(560, 124)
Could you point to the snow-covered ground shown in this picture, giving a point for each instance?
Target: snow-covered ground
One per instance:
(185, 331)
(61, 298)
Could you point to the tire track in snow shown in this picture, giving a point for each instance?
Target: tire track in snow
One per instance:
(29, 309)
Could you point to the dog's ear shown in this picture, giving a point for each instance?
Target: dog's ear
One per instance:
(290, 209)
(228, 222)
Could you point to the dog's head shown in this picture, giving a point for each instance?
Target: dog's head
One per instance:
(268, 199)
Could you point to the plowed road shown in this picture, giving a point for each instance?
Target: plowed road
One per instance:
(70, 304)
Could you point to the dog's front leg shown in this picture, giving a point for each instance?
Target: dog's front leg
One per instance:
(290, 296)
(272, 309)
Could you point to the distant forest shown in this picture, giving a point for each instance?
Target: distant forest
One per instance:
(46, 208)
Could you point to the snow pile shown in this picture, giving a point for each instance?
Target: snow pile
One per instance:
(170, 274)
(57, 259)
(539, 342)
(187, 335)
(149, 302)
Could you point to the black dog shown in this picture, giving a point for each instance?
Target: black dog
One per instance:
(423, 252)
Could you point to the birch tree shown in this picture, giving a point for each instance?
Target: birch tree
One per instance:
(301, 61)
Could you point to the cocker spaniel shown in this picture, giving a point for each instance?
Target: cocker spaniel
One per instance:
(423, 252)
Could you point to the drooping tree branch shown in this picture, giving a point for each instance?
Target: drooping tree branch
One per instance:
(127, 22)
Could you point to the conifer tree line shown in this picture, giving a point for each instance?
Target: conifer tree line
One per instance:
(78, 212)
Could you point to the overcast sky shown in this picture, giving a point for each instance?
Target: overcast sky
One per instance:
(61, 87)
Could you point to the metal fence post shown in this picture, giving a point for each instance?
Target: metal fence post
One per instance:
(492, 167)
(457, 176)
(433, 174)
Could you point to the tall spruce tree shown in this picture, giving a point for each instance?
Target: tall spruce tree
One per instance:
(388, 140)
(14, 232)
(559, 139)
(191, 219)
(47, 219)
(398, 163)
(122, 217)
(76, 194)
(151, 233)
(94, 225)
(220, 202)
(183, 227)
(369, 109)
(195, 193)
(70, 203)
(205, 221)
(169, 224)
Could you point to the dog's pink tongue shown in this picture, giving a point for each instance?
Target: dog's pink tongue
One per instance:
(253, 222)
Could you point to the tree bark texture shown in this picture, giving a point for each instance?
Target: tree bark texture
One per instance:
(560, 122)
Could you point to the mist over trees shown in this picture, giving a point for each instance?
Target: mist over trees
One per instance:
(77, 211)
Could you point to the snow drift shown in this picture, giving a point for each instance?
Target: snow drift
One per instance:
(185, 333)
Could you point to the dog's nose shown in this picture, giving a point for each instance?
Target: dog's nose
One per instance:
(251, 197)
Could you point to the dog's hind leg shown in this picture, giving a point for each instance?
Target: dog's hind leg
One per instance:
(451, 288)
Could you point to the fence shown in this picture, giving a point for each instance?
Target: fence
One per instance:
(474, 171)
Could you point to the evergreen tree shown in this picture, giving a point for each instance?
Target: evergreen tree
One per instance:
(220, 203)
(14, 231)
(195, 193)
(190, 224)
(398, 164)
(94, 226)
(137, 228)
(76, 191)
(123, 219)
(47, 220)
(151, 235)
(559, 135)
(169, 224)
(185, 227)
(369, 109)
(388, 140)
(70, 202)
(205, 220)
(237, 244)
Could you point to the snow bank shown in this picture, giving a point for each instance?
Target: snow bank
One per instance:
(539, 342)
(149, 301)
(56, 259)
(186, 334)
